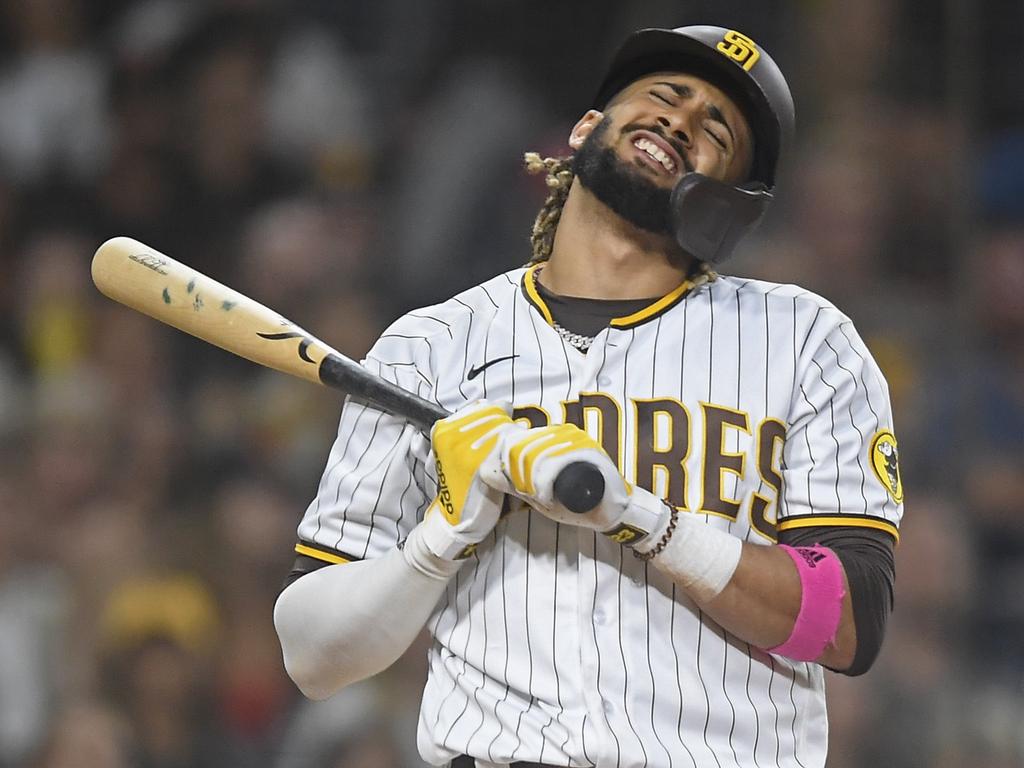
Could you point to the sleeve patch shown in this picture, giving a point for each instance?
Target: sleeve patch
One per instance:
(885, 462)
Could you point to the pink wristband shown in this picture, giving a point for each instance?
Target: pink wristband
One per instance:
(821, 602)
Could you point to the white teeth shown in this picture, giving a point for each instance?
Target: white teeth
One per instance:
(656, 152)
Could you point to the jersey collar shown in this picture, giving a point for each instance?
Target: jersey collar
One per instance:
(651, 311)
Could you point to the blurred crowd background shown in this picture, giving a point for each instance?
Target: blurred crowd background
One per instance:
(346, 161)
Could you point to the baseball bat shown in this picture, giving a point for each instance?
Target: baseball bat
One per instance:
(156, 285)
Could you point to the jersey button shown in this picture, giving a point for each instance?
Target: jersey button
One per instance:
(600, 617)
(604, 381)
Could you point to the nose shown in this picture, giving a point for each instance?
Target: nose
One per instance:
(674, 127)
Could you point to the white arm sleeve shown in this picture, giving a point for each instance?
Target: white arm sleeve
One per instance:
(343, 623)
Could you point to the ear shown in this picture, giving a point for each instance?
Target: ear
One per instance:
(582, 129)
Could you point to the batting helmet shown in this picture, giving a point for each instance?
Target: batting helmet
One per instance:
(710, 217)
(728, 60)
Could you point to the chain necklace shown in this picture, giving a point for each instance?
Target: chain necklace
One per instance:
(578, 340)
(583, 343)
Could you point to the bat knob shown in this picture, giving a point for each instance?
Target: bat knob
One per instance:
(579, 487)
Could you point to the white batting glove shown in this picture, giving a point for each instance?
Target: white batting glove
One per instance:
(530, 461)
(466, 509)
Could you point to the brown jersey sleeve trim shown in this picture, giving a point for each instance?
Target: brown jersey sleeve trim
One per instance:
(320, 552)
(846, 521)
(311, 557)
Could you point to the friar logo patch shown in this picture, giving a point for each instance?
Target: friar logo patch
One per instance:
(885, 462)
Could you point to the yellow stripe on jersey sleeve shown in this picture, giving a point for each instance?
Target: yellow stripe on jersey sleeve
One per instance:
(319, 554)
(852, 521)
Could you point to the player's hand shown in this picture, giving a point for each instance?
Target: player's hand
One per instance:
(530, 461)
(466, 508)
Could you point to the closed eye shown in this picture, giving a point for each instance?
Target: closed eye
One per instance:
(663, 99)
(716, 138)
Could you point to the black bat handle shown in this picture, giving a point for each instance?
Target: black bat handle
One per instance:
(579, 487)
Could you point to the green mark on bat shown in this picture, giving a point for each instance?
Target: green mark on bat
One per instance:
(167, 297)
(191, 284)
(227, 306)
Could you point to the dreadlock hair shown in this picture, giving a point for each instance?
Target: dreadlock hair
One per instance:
(559, 178)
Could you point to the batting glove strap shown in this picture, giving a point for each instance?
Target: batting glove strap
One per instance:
(643, 522)
(426, 540)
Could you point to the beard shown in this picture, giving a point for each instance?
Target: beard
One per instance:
(620, 186)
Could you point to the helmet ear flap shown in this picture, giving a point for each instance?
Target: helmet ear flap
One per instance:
(709, 217)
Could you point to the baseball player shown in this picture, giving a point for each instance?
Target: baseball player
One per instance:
(744, 539)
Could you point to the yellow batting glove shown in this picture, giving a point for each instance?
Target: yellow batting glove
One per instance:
(466, 508)
(531, 460)
(544, 443)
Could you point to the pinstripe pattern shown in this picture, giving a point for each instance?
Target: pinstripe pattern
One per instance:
(552, 644)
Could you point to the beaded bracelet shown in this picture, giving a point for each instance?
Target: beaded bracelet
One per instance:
(663, 542)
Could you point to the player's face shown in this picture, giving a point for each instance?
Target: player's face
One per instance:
(666, 124)
(655, 130)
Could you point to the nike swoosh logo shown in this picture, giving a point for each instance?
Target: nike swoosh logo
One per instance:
(474, 372)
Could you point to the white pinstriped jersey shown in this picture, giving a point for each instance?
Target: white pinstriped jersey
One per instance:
(752, 405)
